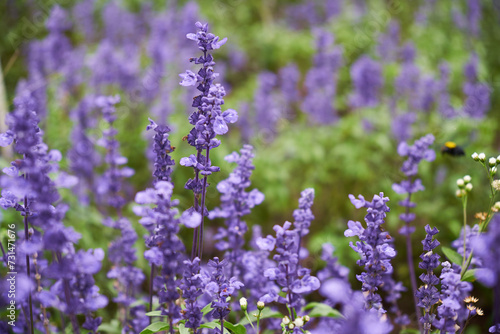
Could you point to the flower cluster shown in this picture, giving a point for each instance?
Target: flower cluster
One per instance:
(373, 246)
(221, 288)
(428, 294)
(453, 292)
(208, 121)
(236, 202)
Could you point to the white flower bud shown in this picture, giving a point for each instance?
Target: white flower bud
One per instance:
(497, 205)
(286, 320)
(459, 192)
(492, 161)
(468, 187)
(498, 160)
(243, 303)
(260, 305)
(299, 322)
(460, 183)
(306, 319)
(496, 185)
(475, 156)
(482, 157)
(291, 326)
(467, 178)
(493, 170)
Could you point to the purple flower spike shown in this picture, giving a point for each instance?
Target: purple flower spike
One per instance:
(208, 121)
(428, 294)
(374, 247)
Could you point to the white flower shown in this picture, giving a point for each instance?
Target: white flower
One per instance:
(243, 303)
(260, 305)
(467, 178)
(286, 320)
(482, 156)
(475, 156)
(299, 322)
(460, 183)
(496, 185)
(492, 161)
(468, 187)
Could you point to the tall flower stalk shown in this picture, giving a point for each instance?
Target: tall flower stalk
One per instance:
(417, 152)
(374, 247)
(428, 294)
(208, 121)
(120, 252)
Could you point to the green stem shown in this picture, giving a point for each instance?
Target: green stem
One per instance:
(249, 320)
(258, 321)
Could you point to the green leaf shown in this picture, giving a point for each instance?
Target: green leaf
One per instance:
(213, 325)
(155, 328)
(236, 329)
(183, 329)
(155, 314)
(410, 331)
(113, 327)
(207, 309)
(452, 255)
(319, 310)
(266, 313)
(469, 276)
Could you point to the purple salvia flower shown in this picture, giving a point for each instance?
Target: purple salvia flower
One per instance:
(120, 252)
(428, 294)
(473, 17)
(388, 43)
(359, 320)
(373, 247)
(303, 216)
(416, 153)
(56, 45)
(289, 77)
(236, 202)
(83, 158)
(162, 149)
(478, 100)
(321, 79)
(453, 291)
(267, 108)
(191, 286)
(293, 279)
(366, 75)
(165, 249)
(485, 247)
(221, 288)
(113, 66)
(444, 106)
(401, 126)
(83, 15)
(458, 244)
(208, 121)
(72, 273)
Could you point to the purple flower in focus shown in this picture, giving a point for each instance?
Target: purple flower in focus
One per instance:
(428, 294)
(373, 247)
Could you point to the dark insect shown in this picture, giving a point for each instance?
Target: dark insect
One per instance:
(452, 149)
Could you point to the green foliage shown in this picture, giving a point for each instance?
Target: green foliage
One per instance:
(318, 310)
(452, 255)
(155, 328)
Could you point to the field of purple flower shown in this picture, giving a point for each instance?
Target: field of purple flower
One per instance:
(318, 168)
